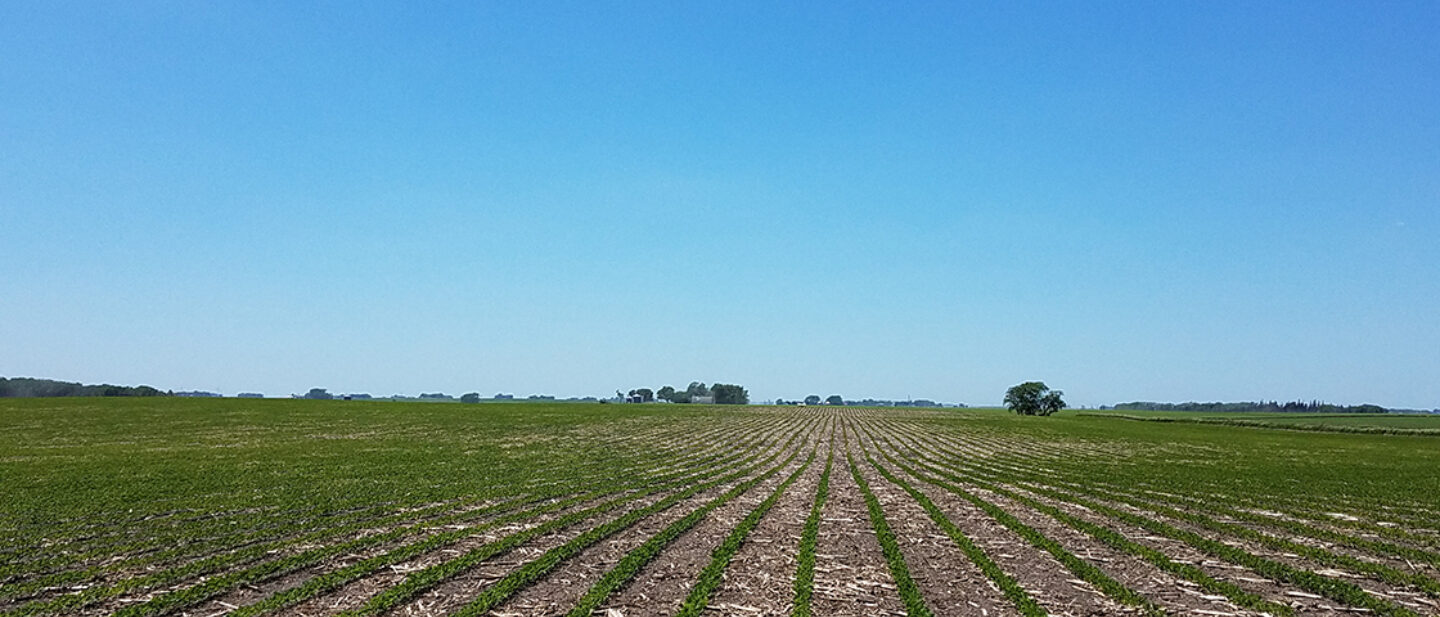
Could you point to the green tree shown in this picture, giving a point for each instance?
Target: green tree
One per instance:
(1034, 398)
(472, 397)
(834, 399)
(813, 399)
(730, 394)
(1051, 402)
(319, 394)
(666, 393)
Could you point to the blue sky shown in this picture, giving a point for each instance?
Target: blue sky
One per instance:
(1152, 200)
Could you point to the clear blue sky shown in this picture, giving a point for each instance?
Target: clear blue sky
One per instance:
(1152, 200)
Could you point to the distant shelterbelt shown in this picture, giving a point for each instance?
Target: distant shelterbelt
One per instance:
(28, 387)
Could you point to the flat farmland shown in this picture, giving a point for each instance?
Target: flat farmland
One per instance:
(208, 507)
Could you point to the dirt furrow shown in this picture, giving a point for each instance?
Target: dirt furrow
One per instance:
(1399, 563)
(1403, 595)
(1302, 602)
(662, 585)
(356, 593)
(559, 590)
(1177, 596)
(1174, 594)
(1038, 572)
(760, 578)
(851, 578)
(251, 593)
(949, 581)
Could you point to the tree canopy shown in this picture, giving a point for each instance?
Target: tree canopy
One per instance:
(725, 394)
(1034, 398)
(27, 387)
(729, 394)
(1253, 406)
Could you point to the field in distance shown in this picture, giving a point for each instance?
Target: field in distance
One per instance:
(1395, 423)
(278, 507)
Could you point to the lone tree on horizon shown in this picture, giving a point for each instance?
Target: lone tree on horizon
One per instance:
(1034, 398)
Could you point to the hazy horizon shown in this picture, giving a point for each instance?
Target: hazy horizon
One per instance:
(1129, 201)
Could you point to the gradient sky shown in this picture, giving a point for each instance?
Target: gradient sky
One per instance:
(1153, 200)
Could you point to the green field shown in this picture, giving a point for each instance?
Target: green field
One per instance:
(1392, 423)
(246, 507)
(1415, 421)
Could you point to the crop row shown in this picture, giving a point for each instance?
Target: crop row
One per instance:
(1041, 521)
(932, 453)
(400, 524)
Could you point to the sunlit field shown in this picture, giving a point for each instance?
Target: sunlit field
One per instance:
(205, 507)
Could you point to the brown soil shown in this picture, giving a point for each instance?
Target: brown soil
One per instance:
(1177, 596)
(851, 577)
(761, 576)
(1181, 552)
(950, 583)
(557, 592)
(663, 584)
(1052, 585)
(1406, 597)
(1184, 553)
(468, 584)
(359, 591)
(1392, 561)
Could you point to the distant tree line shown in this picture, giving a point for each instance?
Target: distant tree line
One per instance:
(27, 387)
(323, 394)
(1251, 406)
(836, 399)
(696, 392)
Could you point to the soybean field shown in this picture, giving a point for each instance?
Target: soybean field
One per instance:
(208, 507)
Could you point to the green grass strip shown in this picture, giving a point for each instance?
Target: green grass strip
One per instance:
(805, 568)
(1282, 426)
(710, 577)
(909, 591)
